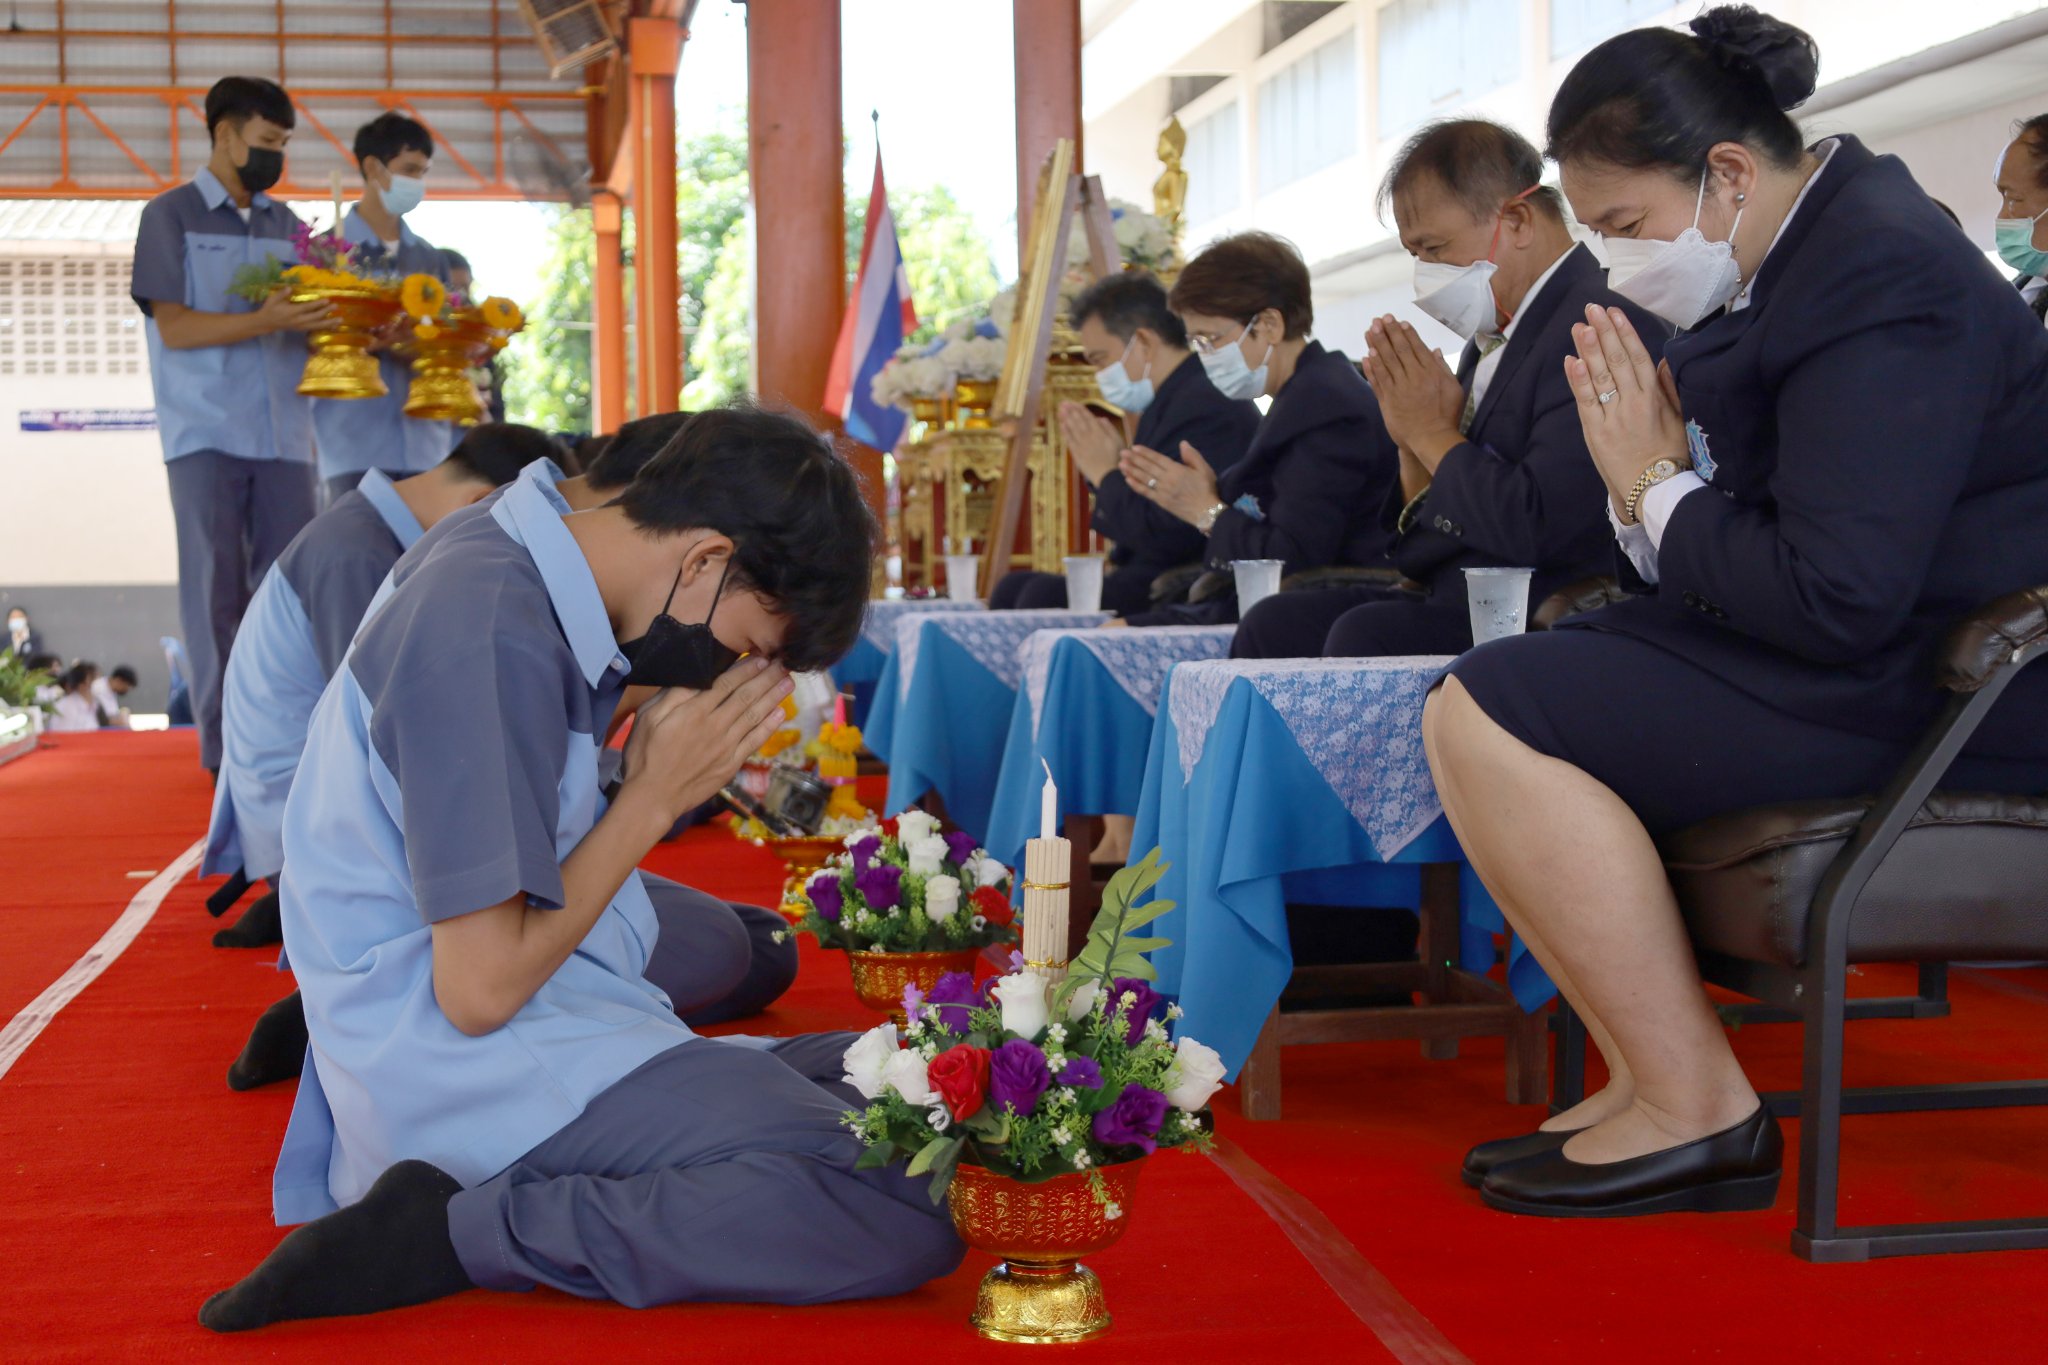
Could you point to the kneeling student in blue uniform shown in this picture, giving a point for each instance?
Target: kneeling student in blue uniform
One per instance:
(496, 1096)
(296, 631)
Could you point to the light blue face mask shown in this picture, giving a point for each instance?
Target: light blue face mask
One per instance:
(1233, 375)
(2015, 239)
(404, 194)
(1132, 395)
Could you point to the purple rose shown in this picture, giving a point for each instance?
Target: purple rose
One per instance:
(1082, 1073)
(826, 897)
(1017, 1076)
(864, 852)
(881, 886)
(955, 994)
(1138, 1011)
(1133, 1120)
(960, 847)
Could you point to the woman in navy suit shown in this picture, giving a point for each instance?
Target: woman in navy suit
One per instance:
(1308, 489)
(1841, 456)
(2023, 210)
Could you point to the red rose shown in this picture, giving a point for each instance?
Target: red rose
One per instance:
(960, 1075)
(992, 905)
(889, 828)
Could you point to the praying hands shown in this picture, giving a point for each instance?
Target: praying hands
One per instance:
(1093, 441)
(1185, 487)
(1420, 399)
(1628, 403)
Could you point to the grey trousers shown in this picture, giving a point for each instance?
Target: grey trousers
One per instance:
(717, 961)
(713, 1173)
(234, 517)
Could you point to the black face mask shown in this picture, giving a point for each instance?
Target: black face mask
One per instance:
(263, 168)
(672, 654)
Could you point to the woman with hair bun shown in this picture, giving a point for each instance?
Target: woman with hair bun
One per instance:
(1840, 456)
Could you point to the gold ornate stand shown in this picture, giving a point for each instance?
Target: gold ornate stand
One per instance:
(339, 363)
(1041, 1294)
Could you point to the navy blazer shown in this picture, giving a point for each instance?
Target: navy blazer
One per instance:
(1875, 433)
(1521, 490)
(1309, 489)
(1186, 407)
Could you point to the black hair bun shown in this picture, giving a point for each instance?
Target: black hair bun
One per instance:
(1756, 45)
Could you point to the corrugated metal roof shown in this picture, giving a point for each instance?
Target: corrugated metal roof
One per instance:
(69, 220)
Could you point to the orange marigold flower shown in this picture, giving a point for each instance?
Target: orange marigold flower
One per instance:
(423, 297)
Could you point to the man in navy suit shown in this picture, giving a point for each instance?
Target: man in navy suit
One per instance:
(1494, 467)
(1139, 351)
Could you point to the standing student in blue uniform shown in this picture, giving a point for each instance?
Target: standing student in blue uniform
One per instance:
(1494, 469)
(237, 437)
(1309, 487)
(1843, 455)
(497, 1096)
(296, 632)
(1139, 352)
(394, 155)
(2022, 185)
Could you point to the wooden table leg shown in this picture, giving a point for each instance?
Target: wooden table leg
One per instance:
(1437, 945)
(1258, 1081)
(1529, 1059)
(1084, 897)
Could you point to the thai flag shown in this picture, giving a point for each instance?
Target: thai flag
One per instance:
(878, 319)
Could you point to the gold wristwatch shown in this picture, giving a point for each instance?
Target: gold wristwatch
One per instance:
(1657, 473)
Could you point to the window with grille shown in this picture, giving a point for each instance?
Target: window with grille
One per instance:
(1436, 56)
(1578, 24)
(68, 315)
(1212, 165)
(1308, 114)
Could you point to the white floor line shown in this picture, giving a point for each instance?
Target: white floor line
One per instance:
(25, 1027)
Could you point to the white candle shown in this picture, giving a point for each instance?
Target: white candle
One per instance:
(334, 181)
(1048, 807)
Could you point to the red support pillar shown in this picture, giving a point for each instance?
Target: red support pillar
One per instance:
(608, 317)
(654, 47)
(1048, 54)
(794, 158)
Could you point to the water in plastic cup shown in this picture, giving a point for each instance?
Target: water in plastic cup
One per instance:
(1257, 580)
(961, 571)
(1499, 601)
(1084, 582)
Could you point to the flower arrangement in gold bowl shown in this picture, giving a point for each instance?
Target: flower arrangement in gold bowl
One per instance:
(450, 335)
(328, 269)
(1033, 1103)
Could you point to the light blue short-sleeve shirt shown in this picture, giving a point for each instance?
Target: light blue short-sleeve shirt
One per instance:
(375, 433)
(241, 400)
(291, 641)
(450, 766)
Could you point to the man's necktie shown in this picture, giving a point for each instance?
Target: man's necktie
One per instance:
(1482, 346)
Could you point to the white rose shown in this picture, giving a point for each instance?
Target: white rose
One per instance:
(1195, 1074)
(1023, 1002)
(941, 897)
(905, 1074)
(1083, 999)
(913, 825)
(989, 872)
(926, 856)
(868, 1058)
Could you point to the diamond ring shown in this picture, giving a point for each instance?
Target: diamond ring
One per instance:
(1151, 483)
(1610, 396)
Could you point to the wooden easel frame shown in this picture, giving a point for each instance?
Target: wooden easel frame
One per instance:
(1062, 193)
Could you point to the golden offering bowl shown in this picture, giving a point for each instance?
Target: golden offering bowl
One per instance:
(976, 397)
(441, 387)
(879, 978)
(803, 855)
(338, 360)
(1041, 1294)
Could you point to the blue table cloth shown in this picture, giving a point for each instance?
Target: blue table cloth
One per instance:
(1086, 708)
(955, 679)
(861, 670)
(1301, 779)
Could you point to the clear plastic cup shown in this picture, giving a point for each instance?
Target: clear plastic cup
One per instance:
(1499, 602)
(961, 571)
(1084, 582)
(1257, 580)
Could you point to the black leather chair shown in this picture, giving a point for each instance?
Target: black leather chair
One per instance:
(1780, 900)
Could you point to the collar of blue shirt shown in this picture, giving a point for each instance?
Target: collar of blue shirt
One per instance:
(355, 228)
(216, 193)
(529, 517)
(383, 495)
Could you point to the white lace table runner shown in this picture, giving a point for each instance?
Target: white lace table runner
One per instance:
(1138, 660)
(878, 626)
(992, 637)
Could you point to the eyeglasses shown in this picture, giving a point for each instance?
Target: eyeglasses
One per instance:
(1203, 345)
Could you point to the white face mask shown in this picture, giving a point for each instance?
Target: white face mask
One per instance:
(1233, 375)
(404, 194)
(1132, 395)
(1682, 280)
(1458, 296)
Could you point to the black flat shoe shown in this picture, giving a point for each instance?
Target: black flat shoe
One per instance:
(1483, 1159)
(1734, 1169)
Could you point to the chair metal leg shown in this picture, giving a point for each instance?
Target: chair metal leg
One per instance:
(1820, 1127)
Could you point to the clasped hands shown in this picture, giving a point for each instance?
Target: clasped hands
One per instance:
(1185, 487)
(1420, 400)
(1628, 403)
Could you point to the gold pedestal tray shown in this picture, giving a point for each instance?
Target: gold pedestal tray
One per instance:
(803, 855)
(338, 362)
(442, 390)
(879, 978)
(1041, 1294)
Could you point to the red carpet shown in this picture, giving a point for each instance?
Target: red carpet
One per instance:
(137, 1183)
